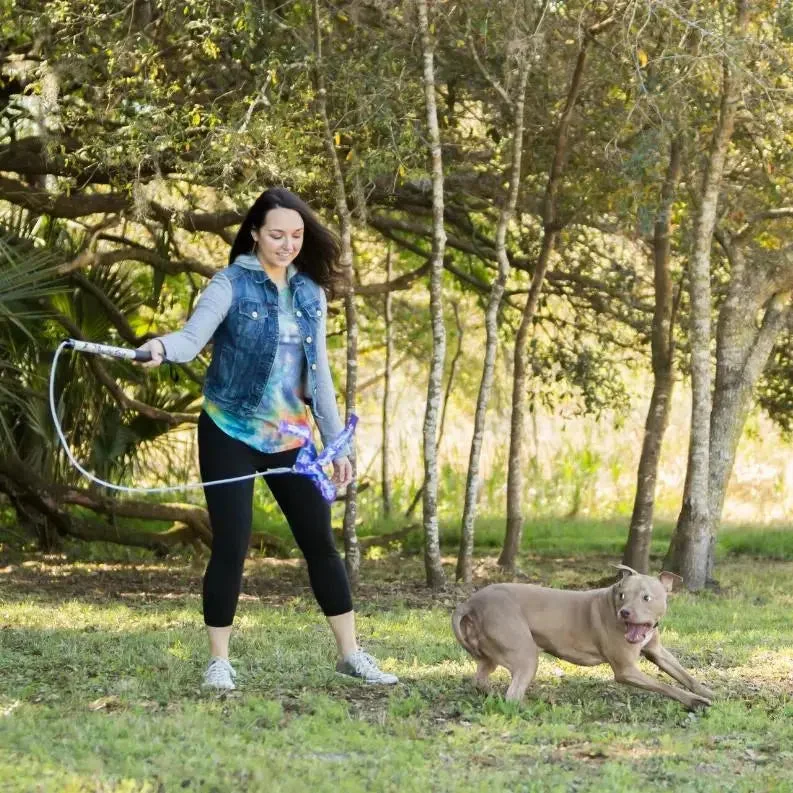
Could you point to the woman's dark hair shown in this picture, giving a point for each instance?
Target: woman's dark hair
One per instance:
(319, 256)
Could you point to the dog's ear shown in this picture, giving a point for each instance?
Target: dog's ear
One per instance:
(625, 570)
(668, 580)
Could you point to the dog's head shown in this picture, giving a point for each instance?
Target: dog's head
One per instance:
(640, 602)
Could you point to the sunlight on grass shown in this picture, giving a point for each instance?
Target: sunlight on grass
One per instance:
(101, 693)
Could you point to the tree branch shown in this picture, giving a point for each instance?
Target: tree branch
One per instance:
(399, 283)
(494, 84)
(72, 206)
(769, 214)
(93, 258)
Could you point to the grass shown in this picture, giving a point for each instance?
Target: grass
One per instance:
(100, 660)
(551, 537)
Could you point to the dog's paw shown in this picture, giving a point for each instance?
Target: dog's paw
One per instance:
(704, 691)
(697, 702)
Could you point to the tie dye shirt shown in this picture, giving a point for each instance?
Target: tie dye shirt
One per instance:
(282, 399)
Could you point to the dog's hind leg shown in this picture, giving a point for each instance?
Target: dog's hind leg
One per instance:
(522, 664)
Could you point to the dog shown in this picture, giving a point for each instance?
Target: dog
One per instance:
(508, 624)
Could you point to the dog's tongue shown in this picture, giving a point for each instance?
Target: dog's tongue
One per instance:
(636, 632)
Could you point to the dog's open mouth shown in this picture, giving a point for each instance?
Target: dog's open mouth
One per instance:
(637, 631)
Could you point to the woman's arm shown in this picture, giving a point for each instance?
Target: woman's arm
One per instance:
(323, 402)
(183, 345)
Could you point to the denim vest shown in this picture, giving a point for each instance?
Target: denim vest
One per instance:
(245, 342)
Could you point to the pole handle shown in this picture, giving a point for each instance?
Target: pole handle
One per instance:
(108, 349)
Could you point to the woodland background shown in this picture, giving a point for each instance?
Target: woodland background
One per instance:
(564, 322)
(565, 224)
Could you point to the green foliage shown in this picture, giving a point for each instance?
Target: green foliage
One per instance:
(582, 375)
(775, 390)
(163, 109)
(28, 276)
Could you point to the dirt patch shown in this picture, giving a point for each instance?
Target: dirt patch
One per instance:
(389, 581)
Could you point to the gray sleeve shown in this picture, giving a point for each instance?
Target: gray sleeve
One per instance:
(325, 409)
(213, 305)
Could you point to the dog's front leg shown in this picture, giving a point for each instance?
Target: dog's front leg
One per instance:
(663, 659)
(634, 676)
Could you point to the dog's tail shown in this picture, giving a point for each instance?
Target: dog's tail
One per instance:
(464, 625)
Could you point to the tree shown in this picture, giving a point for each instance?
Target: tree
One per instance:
(432, 559)
(690, 546)
(352, 555)
(385, 473)
(637, 549)
(465, 556)
(129, 152)
(550, 233)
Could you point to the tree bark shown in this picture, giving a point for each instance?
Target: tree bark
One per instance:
(447, 393)
(637, 549)
(385, 474)
(352, 552)
(432, 551)
(78, 204)
(458, 352)
(690, 546)
(733, 392)
(742, 351)
(472, 484)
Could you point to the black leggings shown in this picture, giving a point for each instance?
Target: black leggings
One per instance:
(231, 513)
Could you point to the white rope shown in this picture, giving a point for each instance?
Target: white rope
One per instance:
(124, 488)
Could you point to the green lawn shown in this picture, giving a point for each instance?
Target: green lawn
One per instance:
(100, 664)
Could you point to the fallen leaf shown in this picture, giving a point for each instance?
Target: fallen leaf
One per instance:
(105, 703)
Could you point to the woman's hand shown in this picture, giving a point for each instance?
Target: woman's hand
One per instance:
(157, 350)
(342, 471)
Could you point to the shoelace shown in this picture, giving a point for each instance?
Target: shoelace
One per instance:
(367, 663)
(218, 666)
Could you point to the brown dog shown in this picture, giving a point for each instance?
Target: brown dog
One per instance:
(508, 625)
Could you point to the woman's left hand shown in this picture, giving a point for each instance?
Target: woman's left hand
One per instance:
(342, 471)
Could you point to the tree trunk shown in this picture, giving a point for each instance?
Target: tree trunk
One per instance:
(637, 549)
(514, 530)
(43, 503)
(352, 553)
(389, 353)
(432, 551)
(742, 351)
(690, 547)
(458, 352)
(732, 400)
(465, 556)
(446, 396)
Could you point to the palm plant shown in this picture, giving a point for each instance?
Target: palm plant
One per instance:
(28, 277)
(109, 438)
(37, 309)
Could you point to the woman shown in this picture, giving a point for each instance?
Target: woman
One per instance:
(266, 316)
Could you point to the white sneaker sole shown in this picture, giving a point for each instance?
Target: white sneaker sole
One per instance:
(215, 687)
(368, 682)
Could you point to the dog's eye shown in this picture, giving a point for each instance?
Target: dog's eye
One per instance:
(622, 596)
(647, 598)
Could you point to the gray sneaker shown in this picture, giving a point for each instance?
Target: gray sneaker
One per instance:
(361, 665)
(219, 675)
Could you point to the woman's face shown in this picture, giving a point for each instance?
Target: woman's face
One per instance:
(280, 238)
